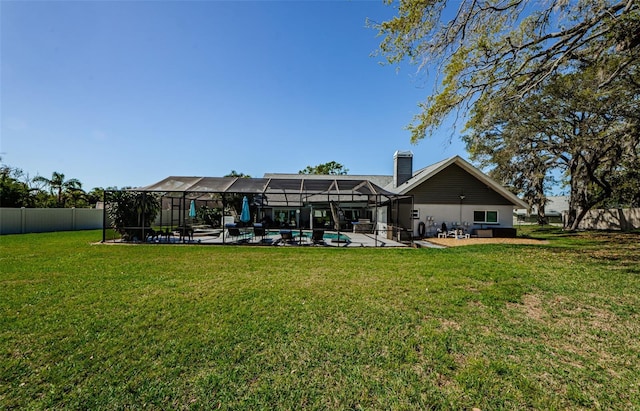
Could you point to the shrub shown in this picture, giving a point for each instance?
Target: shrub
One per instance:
(132, 213)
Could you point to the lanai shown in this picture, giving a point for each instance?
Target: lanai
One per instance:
(300, 193)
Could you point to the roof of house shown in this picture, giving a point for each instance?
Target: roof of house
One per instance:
(426, 173)
(326, 184)
(303, 184)
(379, 180)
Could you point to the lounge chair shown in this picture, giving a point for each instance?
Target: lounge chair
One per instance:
(166, 235)
(286, 236)
(152, 235)
(259, 231)
(234, 232)
(186, 233)
(317, 237)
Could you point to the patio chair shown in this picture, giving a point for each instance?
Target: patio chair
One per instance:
(166, 235)
(234, 232)
(317, 237)
(443, 232)
(152, 235)
(186, 233)
(259, 231)
(287, 237)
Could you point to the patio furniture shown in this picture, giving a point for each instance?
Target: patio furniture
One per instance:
(317, 237)
(458, 234)
(186, 233)
(235, 232)
(165, 235)
(152, 235)
(259, 231)
(286, 236)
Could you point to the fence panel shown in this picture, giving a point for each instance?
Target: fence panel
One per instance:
(624, 219)
(10, 220)
(88, 219)
(40, 220)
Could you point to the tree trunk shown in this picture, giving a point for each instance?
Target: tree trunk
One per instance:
(578, 218)
(542, 220)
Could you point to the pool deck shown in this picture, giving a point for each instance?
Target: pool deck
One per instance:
(355, 240)
(214, 237)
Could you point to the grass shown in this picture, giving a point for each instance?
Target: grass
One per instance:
(192, 327)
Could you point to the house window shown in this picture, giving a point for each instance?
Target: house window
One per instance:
(415, 214)
(486, 217)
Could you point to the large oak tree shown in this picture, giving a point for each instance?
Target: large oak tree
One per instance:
(503, 49)
(545, 85)
(572, 124)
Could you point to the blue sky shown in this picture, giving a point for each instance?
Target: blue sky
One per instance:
(118, 93)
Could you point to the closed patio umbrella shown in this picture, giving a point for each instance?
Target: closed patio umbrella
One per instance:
(245, 215)
(192, 210)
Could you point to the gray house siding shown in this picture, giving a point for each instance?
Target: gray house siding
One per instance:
(447, 186)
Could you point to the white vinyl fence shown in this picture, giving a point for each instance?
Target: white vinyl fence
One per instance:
(41, 220)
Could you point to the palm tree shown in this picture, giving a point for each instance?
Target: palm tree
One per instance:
(58, 186)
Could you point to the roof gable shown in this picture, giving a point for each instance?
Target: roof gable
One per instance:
(423, 175)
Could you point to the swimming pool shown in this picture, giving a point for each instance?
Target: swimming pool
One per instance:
(306, 233)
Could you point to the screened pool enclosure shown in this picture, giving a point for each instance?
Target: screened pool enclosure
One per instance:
(186, 209)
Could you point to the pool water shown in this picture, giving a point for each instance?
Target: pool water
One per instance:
(326, 236)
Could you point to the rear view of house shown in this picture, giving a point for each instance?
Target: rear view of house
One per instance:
(452, 192)
(400, 206)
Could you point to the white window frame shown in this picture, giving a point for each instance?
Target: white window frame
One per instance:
(415, 214)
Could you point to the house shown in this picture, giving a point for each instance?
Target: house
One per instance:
(455, 193)
(451, 192)
(400, 206)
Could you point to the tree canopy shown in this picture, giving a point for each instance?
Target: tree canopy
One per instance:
(234, 173)
(64, 190)
(17, 189)
(13, 192)
(544, 86)
(570, 124)
(330, 168)
(504, 49)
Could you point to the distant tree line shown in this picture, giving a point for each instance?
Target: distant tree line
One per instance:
(17, 189)
(330, 168)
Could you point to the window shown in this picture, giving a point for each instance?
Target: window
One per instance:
(285, 216)
(415, 214)
(487, 217)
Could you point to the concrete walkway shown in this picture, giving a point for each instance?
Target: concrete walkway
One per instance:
(427, 244)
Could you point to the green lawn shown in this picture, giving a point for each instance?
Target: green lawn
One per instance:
(85, 326)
